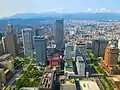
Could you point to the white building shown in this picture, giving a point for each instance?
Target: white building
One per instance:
(27, 35)
(80, 64)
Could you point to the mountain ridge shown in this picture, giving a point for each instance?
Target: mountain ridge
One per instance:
(54, 15)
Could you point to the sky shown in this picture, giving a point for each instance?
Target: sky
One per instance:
(11, 7)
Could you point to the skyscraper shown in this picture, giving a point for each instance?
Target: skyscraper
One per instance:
(40, 50)
(59, 33)
(11, 41)
(1, 48)
(27, 35)
(10, 28)
(1, 34)
(99, 46)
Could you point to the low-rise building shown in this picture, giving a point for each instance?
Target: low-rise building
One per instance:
(54, 60)
(89, 85)
(47, 81)
(68, 87)
(5, 75)
(7, 62)
(6, 68)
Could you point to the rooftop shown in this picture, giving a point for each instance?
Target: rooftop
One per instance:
(29, 88)
(80, 59)
(39, 37)
(116, 79)
(47, 80)
(89, 85)
(27, 29)
(5, 57)
(52, 46)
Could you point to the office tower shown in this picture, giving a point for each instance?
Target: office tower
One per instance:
(111, 55)
(68, 50)
(98, 46)
(1, 35)
(27, 35)
(11, 41)
(40, 50)
(80, 50)
(110, 61)
(59, 34)
(4, 44)
(80, 64)
(39, 32)
(10, 28)
(1, 48)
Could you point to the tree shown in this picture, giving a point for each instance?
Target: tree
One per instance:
(31, 73)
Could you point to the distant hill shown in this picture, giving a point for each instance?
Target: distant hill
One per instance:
(67, 16)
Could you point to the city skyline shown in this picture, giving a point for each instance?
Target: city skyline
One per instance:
(37, 6)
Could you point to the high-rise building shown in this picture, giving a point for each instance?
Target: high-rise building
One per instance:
(59, 34)
(111, 55)
(99, 46)
(39, 32)
(1, 35)
(10, 28)
(1, 48)
(40, 50)
(80, 64)
(4, 44)
(11, 41)
(110, 61)
(68, 50)
(80, 50)
(27, 35)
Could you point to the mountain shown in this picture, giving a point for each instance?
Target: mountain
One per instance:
(67, 16)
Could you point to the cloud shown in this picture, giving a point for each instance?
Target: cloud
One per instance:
(89, 9)
(56, 10)
(98, 10)
(61, 9)
(53, 10)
